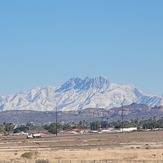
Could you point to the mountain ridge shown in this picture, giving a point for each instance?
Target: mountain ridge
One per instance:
(78, 94)
(132, 111)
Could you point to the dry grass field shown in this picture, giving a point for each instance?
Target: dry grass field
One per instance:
(113, 146)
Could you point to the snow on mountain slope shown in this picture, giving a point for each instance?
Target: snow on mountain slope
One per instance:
(77, 94)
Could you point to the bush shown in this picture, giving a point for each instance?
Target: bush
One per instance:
(42, 161)
(29, 155)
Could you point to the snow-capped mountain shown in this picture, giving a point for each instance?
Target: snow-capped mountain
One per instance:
(78, 94)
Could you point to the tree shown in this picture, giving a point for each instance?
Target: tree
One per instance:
(21, 128)
(9, 127)
(95, 125)
(52, 128)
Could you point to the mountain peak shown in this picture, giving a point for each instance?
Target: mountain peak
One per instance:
(97, 82)
(88, 82)
(70, 84)
(129, 86)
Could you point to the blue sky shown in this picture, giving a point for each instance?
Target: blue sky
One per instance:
(48, 42)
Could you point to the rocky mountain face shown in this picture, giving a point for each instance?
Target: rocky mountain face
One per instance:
(78, 94)
(132, 111)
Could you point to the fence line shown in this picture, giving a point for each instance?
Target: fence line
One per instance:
(81, 161)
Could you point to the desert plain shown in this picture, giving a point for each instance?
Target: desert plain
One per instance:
(144, 146)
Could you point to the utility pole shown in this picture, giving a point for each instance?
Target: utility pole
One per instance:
(122, 113)
(56, 121)
(122, 117)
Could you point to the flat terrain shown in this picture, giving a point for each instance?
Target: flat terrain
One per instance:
(113, 146)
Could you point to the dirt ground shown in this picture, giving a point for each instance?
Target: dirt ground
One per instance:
(113, 146)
